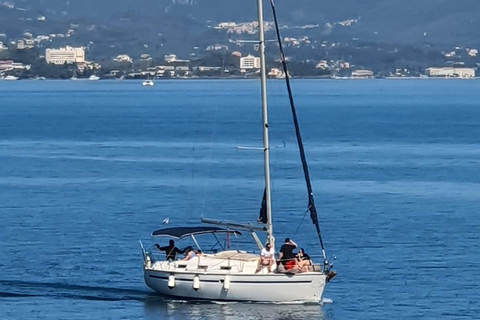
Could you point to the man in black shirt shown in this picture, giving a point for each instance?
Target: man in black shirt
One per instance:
(286, 255)
(170, 250)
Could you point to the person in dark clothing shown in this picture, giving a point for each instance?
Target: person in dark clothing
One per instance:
(170, 250)
(286, 256)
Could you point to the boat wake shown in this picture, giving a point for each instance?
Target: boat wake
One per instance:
(25, 289)
(220, 303)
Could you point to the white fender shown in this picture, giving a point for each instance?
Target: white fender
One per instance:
(226, 282)
(171, 281)
(196, 283)
(148, 262)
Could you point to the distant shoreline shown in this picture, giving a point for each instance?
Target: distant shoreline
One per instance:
(242, 78)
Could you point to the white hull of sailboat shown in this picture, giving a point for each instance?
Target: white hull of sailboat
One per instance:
(273, 288)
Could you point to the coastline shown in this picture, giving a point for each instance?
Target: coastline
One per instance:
(242, 78)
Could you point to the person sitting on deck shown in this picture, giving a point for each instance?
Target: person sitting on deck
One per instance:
(266, 258)
(189, 254)
(303, 260)
(170, 250)
(286, 256)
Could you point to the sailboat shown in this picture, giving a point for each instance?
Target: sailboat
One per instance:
(232, 275)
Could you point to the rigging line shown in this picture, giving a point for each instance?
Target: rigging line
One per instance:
(311, 201)
(301, 222)
(194, 149)
(273, 172)
(274, 168)
(212, 138)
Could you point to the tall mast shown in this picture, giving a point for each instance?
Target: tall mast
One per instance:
(266, 147)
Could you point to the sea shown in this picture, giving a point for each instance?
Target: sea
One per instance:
(89, 168)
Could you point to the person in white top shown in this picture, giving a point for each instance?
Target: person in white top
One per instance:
(267, 257)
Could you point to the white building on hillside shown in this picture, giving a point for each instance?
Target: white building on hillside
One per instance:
(276, 73)
(362, 74)
(322, 64)
(216, 47)
(123, 58)
(8, 65)
(451, 72)
(169, 58)
(172, 58)
(472, 52)
(20, 44)
(250, 62)
(67, 55)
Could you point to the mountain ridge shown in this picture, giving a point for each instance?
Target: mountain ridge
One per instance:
(180, 25)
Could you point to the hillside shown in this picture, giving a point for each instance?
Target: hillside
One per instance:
(179, 25)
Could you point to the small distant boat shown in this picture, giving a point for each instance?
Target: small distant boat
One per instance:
(148, 83)
(93, 78)
(10, 78)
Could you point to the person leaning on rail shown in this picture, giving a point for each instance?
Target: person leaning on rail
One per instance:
(170, 250)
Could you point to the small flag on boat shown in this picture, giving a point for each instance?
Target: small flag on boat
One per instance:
(166, 221)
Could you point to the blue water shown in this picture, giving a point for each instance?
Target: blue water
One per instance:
(89, 168)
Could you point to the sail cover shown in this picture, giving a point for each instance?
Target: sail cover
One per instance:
(262, 218)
